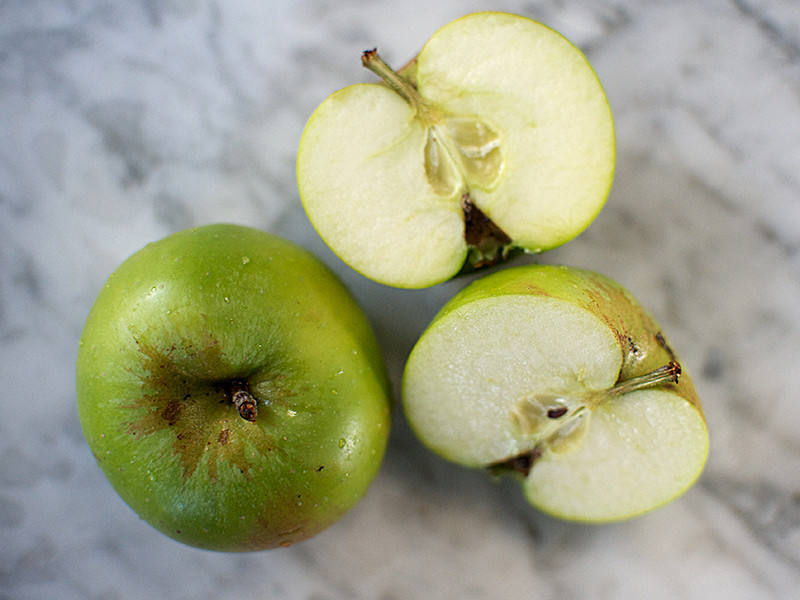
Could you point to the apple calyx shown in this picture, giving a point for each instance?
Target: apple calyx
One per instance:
(243, 400)
(488, 244)
(559, 422)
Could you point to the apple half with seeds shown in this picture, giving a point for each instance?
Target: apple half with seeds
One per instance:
(496, 139)
(232, 390)
(558, 376)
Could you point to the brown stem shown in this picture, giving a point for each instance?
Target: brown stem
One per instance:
(669, 373)
(372, 61)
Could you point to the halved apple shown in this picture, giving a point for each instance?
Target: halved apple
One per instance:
(496, 139)
(559, 376)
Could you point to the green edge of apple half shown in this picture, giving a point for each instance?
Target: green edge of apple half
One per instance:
(559, 376)
(232, 390)
(496, 139)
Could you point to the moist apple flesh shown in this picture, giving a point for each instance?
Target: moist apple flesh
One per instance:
(497, 113)
(644, 449)
(541, 388)
(461, 152)
(560, 421)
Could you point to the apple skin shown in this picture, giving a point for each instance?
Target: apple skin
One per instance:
(642, 347)
(177, 325)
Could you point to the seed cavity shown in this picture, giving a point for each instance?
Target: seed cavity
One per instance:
(559, 422)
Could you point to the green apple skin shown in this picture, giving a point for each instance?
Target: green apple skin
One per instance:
(174, 327)
(633, 345)
(531, 145)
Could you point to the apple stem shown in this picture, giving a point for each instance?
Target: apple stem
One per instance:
(670, 372)
(372, 61)
(243, 400)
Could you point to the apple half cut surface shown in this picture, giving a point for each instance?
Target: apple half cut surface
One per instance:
(496, 139)
(232, 390)
(558, 376)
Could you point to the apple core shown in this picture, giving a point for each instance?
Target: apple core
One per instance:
(461, 153)
(559, 422)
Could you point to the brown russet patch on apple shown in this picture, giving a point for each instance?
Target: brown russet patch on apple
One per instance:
(192, 407)
(172, 411)
(224, 435)
(645, 352)
(536, 290)
(605, 301)
(268, 533)
(642, 352)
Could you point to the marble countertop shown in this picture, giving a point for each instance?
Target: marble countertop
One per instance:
(121, 122)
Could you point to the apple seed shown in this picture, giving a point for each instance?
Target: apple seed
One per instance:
(557, 413)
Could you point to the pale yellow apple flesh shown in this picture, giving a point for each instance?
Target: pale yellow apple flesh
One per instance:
(588, 405)
(640, 451)
(497, 109)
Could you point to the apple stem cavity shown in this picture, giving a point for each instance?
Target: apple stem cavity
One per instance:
(243, 400)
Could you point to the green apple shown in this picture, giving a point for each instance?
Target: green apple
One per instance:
(496, 139)
(558, 376)
(232, 390)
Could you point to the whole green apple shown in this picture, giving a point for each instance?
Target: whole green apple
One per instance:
(560, 377)
(496, 139)
(232, 390)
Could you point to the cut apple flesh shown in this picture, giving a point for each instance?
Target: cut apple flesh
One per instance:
(501, 111)
(531, 383)
(469, 373)
(640, 450)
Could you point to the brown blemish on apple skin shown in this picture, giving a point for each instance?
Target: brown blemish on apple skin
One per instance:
(266, 535)
(645, 352)
(198, 414)
(172, 411)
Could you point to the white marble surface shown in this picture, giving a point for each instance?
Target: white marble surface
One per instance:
(121, 122)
